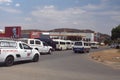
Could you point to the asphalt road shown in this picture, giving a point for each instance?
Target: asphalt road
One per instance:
(61, 65)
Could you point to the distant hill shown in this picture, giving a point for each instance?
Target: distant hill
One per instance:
(60, 30)
(71, 30)
(30, 30)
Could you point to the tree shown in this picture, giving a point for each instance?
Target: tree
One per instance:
(115, 33)
(107, 41)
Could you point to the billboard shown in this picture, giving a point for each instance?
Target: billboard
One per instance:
(13, 31)
(35, 34)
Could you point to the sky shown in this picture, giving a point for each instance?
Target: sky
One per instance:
(98, 15)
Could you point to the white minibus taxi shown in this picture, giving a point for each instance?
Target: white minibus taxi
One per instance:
(69, 44)
(81, 46)
(60, 44)
(94, 45)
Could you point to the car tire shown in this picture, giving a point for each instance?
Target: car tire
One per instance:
(9, 61)
(35, 58)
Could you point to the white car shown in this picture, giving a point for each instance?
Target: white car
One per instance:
(41, 46)
(12, 51)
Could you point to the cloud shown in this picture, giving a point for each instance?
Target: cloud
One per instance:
(50, 16)
(102, 9)
(5, 1)
(117, 18)
(92, 7)
(49, 7)
(95, 7)
(91, 16)
(10, 10)
(7, 4)
(103, 15)
(17, 4)
(28, 19)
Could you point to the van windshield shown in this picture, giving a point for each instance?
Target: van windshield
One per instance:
(78, 43)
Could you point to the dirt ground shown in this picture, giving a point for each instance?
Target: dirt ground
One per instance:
(110, 57)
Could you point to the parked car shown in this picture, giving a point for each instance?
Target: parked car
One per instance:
(12, 51)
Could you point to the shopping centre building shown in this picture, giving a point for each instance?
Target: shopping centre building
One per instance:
(17, 32)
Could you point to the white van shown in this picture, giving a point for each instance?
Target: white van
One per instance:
(41, 46)
(60, 44)
(81, 46)
(94, 45)
(69, 44)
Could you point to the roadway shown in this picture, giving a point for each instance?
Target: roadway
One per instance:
(61, 65)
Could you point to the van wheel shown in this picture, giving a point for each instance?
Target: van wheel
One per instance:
(36, 58)
(75, 51)
(9, 61)
(50, 51)
(61, 49)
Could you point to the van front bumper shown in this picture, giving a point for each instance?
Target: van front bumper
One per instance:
(78, 49)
